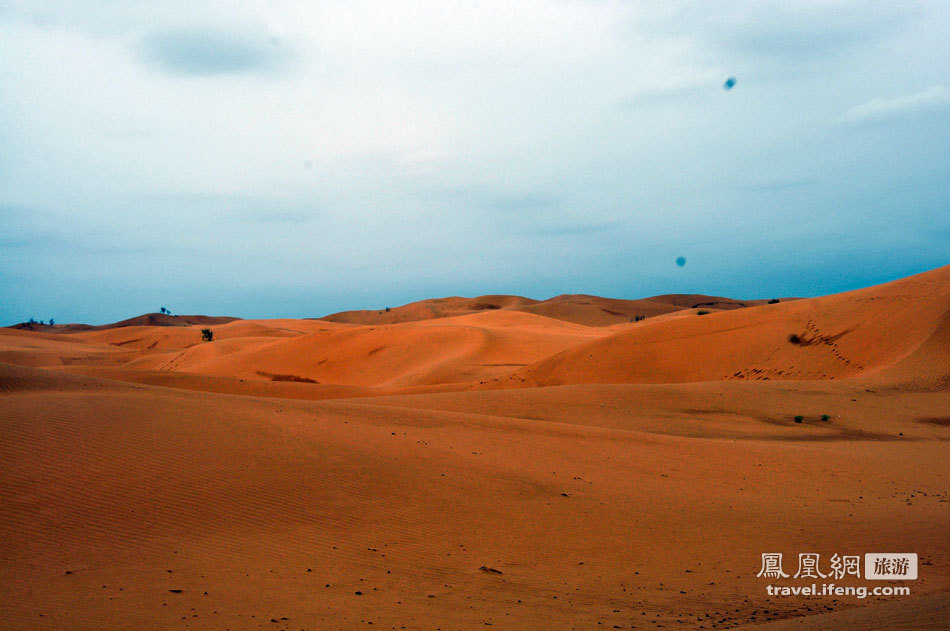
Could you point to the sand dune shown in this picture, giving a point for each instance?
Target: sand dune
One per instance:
(832, 337)
(147, 319)
(161, 337)
(30, 348)
(462, 349)
(315, 474)
(429, 309)
(116, 494)
(578, 308)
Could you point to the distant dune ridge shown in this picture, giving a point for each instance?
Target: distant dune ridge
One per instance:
(578, 308)
(507, 341)
(147, 319)
(463, 462)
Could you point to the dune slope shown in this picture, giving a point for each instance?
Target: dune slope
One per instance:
(832, 337)
(461, 349)
(151, 508)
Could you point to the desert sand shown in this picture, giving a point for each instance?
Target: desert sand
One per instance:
(468, 462)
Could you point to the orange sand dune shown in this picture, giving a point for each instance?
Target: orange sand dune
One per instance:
(30, 348)
(166, 337)
(450, 350)
(129, 506)
(927, 612)
(578, 308)
(429, 309)
(147, 319)
(702, 301)
(595, 311)
(838, 336)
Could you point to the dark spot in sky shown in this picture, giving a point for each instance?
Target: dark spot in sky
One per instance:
(681, 261)
(205, 52)
(729, 84)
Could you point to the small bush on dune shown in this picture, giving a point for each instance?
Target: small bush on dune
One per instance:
(774, 301)
(207, 335)
(702, 312)
(799, 419)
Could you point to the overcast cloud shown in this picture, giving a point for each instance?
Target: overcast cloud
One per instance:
(295, 158)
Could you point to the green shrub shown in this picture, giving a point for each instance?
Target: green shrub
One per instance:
(774, 301)
(825, 417)
(207, 335)
(702, 312)
(799, 419)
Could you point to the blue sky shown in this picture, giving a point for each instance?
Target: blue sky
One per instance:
(295, 159)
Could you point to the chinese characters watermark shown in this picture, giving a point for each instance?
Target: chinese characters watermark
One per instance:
(878, 566)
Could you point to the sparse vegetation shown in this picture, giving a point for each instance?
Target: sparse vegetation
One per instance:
(702, 312)
(52, 322)
(279, 377)
(207, 335)
(387, 309)
(794, 338)
(637, 318)
(825, 418)
(163, 310)
(774, 301)
(799, 418)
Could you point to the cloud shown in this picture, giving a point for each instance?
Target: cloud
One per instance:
(779, 185)
(424, 157)
(572, 230)
(493, 198)
(209, 52)
(878, 109)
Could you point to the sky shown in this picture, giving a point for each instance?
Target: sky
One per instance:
(293, 158)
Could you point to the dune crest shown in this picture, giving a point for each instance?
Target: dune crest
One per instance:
(832, 337)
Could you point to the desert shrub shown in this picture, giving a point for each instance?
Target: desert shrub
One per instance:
(207, 335)
(774, 301)
(638, 318)
(388, 309)
(794, 338)
(52, 321)
(825, 417)
(703, 312)
(799, 419)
